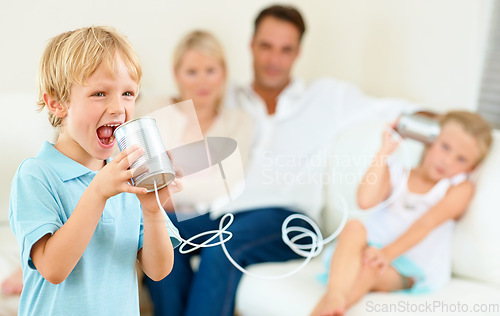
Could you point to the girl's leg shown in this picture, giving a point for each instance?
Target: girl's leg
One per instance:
(369, 280)
(345, 268)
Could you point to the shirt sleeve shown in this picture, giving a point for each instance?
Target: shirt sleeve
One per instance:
(34, 212)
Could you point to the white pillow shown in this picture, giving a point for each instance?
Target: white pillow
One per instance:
(476, 243)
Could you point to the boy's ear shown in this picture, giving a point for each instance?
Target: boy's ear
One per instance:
(55, 107)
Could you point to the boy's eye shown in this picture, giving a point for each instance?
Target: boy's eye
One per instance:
(98, 94)
(128, 94)
(445, 146)
(461, 159)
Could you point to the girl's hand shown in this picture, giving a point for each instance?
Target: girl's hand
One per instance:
(390, 141)
(376, 258)
(114, 177)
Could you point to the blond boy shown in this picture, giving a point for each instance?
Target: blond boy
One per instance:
(80, 225)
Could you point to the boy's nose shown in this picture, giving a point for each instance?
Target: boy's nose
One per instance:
(116, 106)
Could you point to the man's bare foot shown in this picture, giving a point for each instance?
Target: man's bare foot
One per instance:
(331, 304)
(13, 285)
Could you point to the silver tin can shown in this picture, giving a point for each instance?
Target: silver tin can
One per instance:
(418, 127)
(154, 164)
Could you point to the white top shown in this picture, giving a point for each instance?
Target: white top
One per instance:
(433, 254)
(213, 163)
(288, 162)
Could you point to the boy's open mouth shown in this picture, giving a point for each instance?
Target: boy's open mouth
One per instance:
(105, 133)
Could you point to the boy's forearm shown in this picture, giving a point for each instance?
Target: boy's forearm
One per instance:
(60, 253)
(157, 255)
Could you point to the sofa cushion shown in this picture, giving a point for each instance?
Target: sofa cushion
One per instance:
(298, 294)
(476, 241)
(9, 262)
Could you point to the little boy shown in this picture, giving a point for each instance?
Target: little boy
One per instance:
(79, 225)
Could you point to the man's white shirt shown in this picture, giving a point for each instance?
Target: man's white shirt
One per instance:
(289, 158)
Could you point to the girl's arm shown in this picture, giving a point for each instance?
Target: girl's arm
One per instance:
(452, 206)
(376, 184)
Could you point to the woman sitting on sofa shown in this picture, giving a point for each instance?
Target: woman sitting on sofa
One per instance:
(200, 74)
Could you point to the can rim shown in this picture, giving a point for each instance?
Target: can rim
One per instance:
(134, 120)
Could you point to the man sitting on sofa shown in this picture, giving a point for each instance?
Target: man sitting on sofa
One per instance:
(295, 125)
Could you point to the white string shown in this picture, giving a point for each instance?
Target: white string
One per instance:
(308, 251)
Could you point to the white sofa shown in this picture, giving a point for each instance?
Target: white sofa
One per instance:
(475, 287)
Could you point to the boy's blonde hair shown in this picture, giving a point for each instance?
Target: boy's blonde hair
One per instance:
(474, 125)
(72, 57)
(203, 42)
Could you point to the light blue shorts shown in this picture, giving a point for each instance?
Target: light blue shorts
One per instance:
(403, 265)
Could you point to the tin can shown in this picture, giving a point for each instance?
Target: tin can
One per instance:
(154, 164)
(418, 127)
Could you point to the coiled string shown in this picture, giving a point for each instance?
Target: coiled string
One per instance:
(308, 251)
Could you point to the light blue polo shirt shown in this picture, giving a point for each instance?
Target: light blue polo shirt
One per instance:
(45, 191)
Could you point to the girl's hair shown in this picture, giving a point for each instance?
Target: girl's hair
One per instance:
(474, 125)
(72, 57)
(205, 43)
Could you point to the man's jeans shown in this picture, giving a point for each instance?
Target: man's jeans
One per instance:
(211, 290)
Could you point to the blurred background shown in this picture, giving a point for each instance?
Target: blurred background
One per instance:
(429, 52)
(441, 54)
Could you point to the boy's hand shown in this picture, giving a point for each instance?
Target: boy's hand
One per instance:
(148, 201)
(114, 177)
(376, 258)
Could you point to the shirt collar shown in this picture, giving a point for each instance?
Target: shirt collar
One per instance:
(65, 167)
(294, 90)
(286, 99)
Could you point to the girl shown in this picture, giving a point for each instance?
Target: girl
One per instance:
(407, 245)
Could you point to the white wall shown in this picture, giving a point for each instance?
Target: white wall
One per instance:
(425, 51)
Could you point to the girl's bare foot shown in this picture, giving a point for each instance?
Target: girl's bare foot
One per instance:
(13, 285)
(331, 304)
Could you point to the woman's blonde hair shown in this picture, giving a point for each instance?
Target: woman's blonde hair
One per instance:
(203, 42)
(72, 57)
(474, 125)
